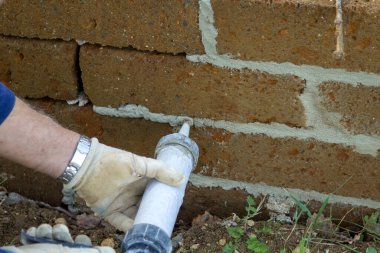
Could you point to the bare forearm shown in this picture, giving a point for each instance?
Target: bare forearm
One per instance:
(36, 141)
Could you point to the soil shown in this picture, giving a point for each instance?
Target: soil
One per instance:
(207, 233)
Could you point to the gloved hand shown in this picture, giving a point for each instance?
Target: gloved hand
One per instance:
(112, 181)
(58, 240)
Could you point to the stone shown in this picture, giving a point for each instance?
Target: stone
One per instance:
(60, 220)
(109, 242)
(300, 32)
(39, 68)
(288, 162)
(154, 25)
(172, 85)
(222, 242)
(358, 106)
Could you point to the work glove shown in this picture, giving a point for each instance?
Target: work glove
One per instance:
(112, 182)
(57, 239)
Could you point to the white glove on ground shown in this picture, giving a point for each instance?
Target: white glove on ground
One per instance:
(112, 181)
(58, 233)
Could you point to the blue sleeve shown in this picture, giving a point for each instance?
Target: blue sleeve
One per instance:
(4, 251)
(7, 102)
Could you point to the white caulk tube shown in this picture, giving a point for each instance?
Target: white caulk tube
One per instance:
(160, 204)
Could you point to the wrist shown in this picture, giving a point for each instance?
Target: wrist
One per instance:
(79, 155)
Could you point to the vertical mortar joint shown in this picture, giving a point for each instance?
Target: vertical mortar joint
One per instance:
(339, 51)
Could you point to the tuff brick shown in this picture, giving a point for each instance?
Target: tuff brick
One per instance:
(39, 68)
(223, 203)
(358, 106)
(287, 162)
(172, 85)
(165, 26)
(301, 32)
(29, 183)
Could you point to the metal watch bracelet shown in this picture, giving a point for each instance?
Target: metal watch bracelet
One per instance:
(80, 154)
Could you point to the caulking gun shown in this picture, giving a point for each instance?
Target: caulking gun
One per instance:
(160, 204)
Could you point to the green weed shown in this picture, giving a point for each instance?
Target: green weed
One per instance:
(230, 247)
(254, 245)
(371, 225)
(370, 250)
(235, 232)
(238, 233)
(266, 229)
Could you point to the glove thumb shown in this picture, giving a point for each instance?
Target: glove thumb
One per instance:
(157, 169)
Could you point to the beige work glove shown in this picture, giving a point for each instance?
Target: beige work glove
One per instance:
(55, 240)
(112, 182)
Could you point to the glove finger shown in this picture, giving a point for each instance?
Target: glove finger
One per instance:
(105, 249)
(131, 212)
(31, 232)
(83, 239)
(61, 232)
(120, 221)
(120, 205)
(157, 169)
(45, 231)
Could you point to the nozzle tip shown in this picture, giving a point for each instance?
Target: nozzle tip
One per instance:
(188, 120)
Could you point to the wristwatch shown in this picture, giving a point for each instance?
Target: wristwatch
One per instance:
(80, 154)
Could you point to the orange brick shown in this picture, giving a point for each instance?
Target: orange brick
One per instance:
(286, 162)
(359, 106)
(39, 68)
(301, 32)
(224, 203)
(165, 26)
(172, 85)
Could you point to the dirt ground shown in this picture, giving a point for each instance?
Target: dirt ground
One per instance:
(207, 233)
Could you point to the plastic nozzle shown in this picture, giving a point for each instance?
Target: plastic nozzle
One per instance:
(185, 129)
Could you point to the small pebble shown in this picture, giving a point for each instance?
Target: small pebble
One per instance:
(14, 198)
(176, 241)
(60, 220)
(298, 250)
(194, 247)
(108, 242)
(222, 242)
(250, 223)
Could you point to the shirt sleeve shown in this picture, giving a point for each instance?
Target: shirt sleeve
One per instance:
(7, 102)
(4, 251)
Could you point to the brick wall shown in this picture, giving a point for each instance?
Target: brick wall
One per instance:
(273, 107)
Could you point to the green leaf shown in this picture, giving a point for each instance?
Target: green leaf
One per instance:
(302, 245)
(254, 245)
(282, 251)
(235, 232)
(302, 206)
(370, 250)
(251, 201)
(266, 230)
(374, 217)
(251, 206)
(320, 211)
(251, 210)
(229, 248)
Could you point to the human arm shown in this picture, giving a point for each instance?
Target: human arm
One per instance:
(34, 140)
(110, 180)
